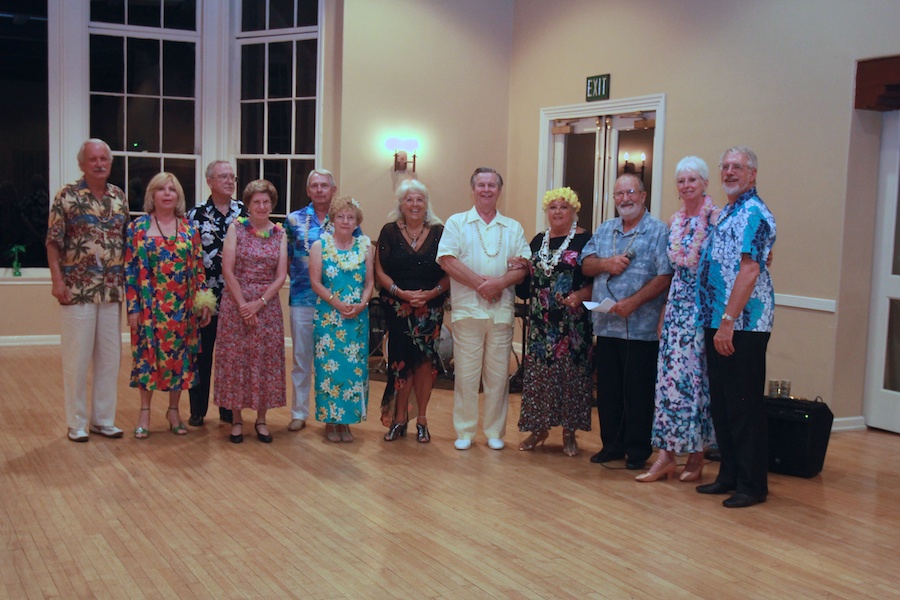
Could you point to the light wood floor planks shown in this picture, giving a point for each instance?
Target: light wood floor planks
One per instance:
(198, 517)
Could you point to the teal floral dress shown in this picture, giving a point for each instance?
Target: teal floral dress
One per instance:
(342, 345)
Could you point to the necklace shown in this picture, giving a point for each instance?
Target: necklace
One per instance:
(614, 243)
(306, 238)
(689, 256)
(483, 247)
(164, 236)
(414, 238)
(347, 260)
(548, 260)
(264, 234)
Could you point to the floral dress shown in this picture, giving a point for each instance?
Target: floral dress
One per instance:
(682, 421)
(342, 345)
(413, 333)
(162, 276)
(557, 386)
(250, 358)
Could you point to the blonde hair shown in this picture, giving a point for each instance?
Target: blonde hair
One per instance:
(344, 203)
(159, 180)
(561, 193)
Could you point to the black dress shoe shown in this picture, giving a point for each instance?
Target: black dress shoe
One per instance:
(265, 438)
(740, 500)
(605, 456)
(714, 488)
(237, 439)
(635, 465)
(195, 421)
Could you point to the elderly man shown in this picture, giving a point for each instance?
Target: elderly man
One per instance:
(303, 228)
(627, 258)
(212, 220)
(477, 250)
(85, 252)
(737, 305)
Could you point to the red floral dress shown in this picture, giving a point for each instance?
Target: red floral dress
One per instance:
(162, 276)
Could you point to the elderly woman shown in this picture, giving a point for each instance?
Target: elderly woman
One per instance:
(164, 289)
(682, 421)
(341, 275)
(557, 384)
(250, 336)
(413, 291)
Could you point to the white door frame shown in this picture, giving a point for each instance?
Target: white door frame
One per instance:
(551, 150)
(881, 407)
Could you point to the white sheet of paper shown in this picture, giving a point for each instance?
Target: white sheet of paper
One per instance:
(602, 307)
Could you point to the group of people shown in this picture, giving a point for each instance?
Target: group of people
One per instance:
(681, 313)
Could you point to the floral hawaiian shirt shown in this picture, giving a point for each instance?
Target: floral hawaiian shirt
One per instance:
(90, 234)
(213, 226)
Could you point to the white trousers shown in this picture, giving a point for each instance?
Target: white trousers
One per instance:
(91, 332)
(304, 352)
(480, 355)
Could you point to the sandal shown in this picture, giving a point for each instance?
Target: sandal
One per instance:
(332, 434)
(346, 436)
(142, 433)
(570, 446)
(180, 428)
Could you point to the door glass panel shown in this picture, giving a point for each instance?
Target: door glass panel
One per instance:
(892, 351)
(579, 173)
(895, 270)
(638, 144)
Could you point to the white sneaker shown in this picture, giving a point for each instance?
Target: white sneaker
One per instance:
(462, 444)
(78, 435)
(496, 444)
(110, 431)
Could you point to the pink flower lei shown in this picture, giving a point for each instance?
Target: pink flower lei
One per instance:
(689, 256)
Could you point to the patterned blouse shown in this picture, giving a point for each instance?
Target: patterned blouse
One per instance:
(90, 234)
(213, 225)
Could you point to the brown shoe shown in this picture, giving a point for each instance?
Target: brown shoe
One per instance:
(296, 425)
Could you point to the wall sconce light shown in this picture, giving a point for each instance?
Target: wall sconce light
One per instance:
(630, 168)
(402, 148)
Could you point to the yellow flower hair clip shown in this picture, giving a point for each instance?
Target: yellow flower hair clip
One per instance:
(561, 193)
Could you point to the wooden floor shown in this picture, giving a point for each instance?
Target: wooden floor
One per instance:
(198, 517)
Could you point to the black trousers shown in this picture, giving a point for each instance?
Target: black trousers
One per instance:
(200, 393)
(737, 387)
(626, 386)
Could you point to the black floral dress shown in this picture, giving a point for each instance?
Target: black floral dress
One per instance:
(412, 332)
(557, 386)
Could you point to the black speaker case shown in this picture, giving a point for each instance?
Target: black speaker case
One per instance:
(799, 431)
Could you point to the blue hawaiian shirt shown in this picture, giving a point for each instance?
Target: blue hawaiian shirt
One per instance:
(648, 240)
(745, 227)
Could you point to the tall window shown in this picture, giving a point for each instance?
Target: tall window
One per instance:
(143, 91)
(279, 42)
(25, 140)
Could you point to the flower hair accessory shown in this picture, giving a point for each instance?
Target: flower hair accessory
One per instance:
(204, 299)
(354, 202)
(561, 193)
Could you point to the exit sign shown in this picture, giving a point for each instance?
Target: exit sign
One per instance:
(597, 88)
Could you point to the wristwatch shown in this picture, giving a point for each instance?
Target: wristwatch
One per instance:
(727, 317)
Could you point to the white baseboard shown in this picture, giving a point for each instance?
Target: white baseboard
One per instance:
(29, 340)
(848, 424)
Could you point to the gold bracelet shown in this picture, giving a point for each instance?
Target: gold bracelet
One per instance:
(330, 298)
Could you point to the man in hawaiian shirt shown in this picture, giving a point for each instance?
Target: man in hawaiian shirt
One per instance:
(85, 253)
(212, 220)
(627, 258)
(737, 304)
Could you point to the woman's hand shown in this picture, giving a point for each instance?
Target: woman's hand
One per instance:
(251, 321)
(572, 300)
(350, 311)
(134, 319)
(249, 309)
(205, 317)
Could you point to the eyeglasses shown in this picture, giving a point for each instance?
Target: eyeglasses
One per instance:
(736, 167)
(224, 178)
(622, 193)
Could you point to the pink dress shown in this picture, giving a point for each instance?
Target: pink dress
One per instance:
(250, 359)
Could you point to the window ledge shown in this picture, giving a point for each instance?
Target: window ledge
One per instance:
(30, 276)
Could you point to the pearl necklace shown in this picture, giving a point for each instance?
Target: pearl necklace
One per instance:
(689, 256)
(483, 247)
(548, 260)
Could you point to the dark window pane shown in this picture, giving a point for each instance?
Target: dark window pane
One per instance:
(108, 11)
(280, 70)
(178, 69)
(142, 130)
(306, 68)
(307, 13)
(140, 171)
(107, 64)
(141, 12)
(178, 126)
(300, 170)
(117, 174)
(108, 120)
(276, 172)
(252, 128)
(305, 138)
(185, 170)
(253, 65)
(253, 15)
(281, 14)
(247, 171)
(143, 67)
(279, 128)
(180, 14)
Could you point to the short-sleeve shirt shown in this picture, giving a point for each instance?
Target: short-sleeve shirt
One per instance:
(90, 234)
(303, 229)
(648, 241)
(485, 249)
(744, 227)
(213, 225)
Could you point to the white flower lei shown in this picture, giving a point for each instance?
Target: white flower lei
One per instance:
(350, 260)
(548, 260)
